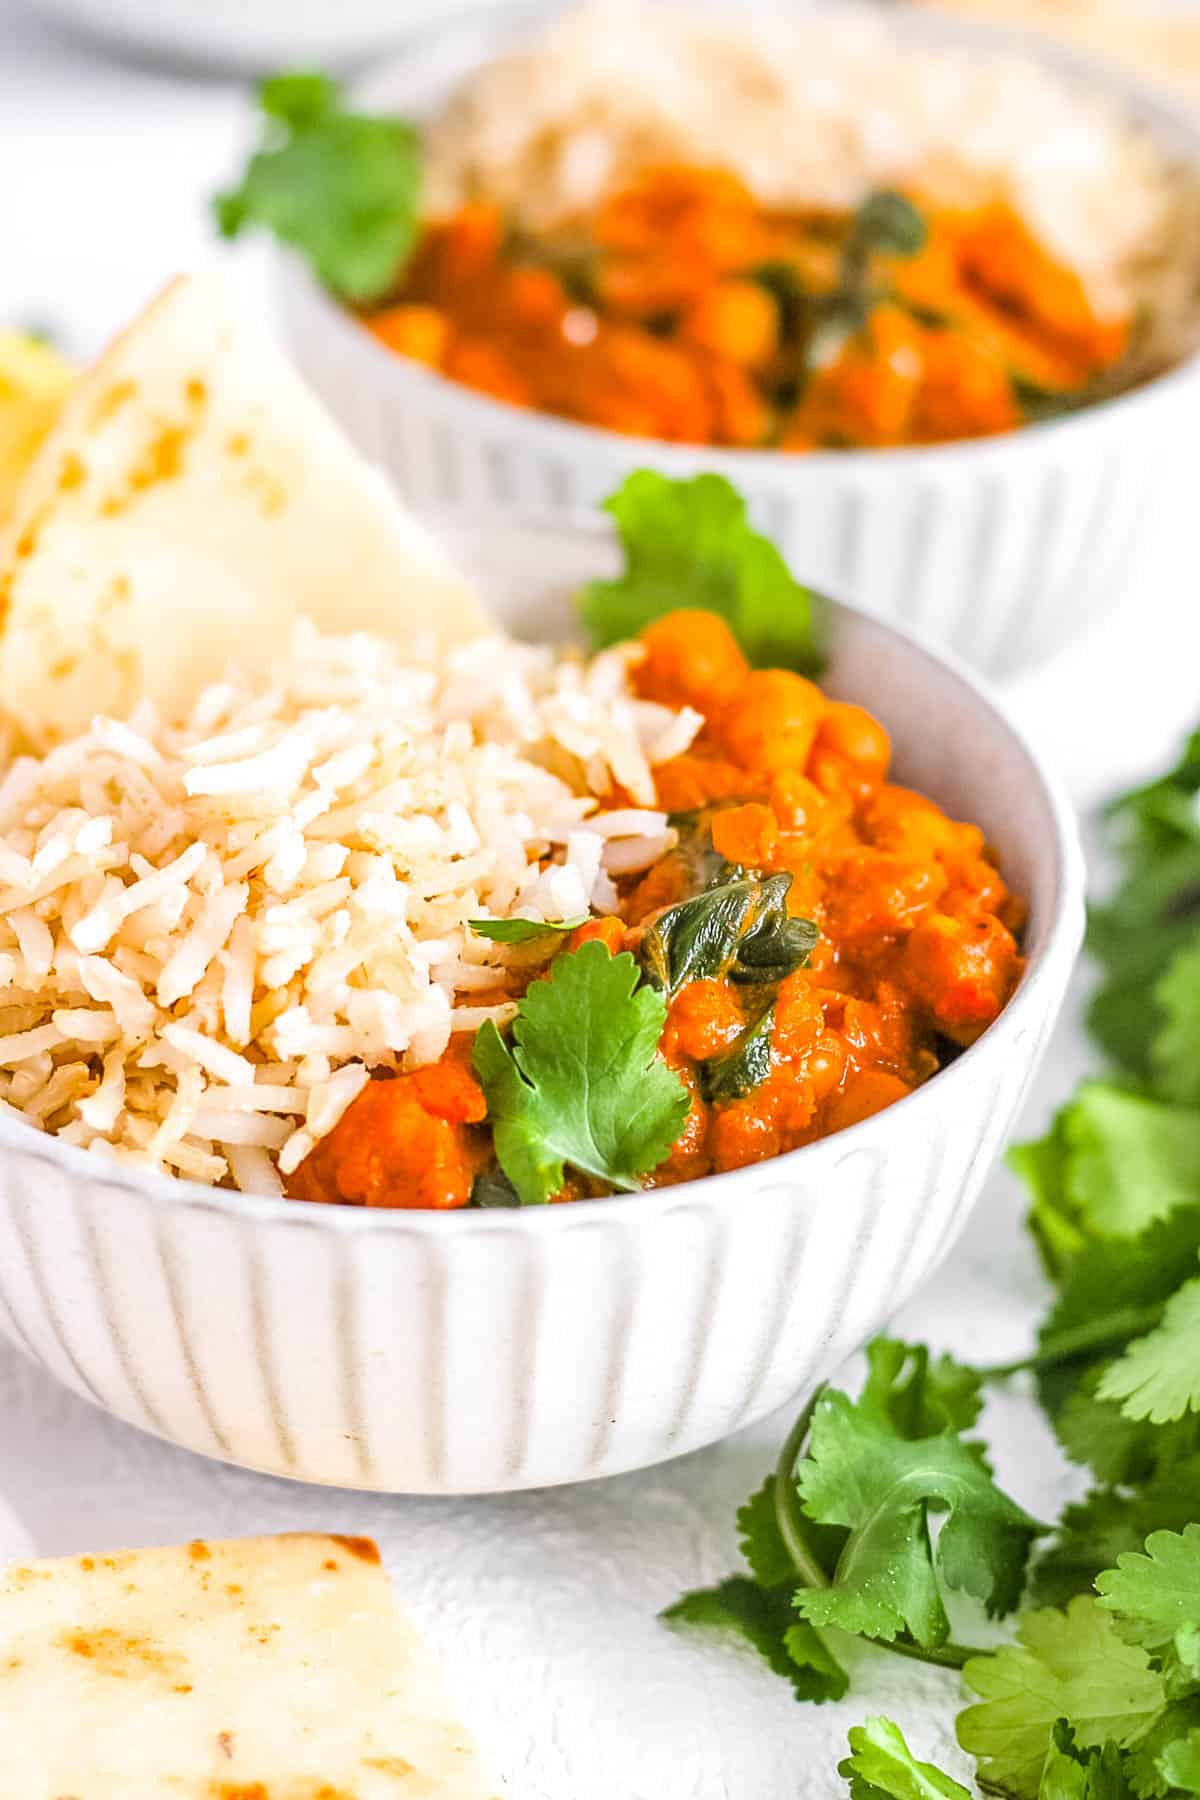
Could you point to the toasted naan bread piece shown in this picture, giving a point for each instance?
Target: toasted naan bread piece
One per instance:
(261, 1669)
(193, 500)
(34, 382)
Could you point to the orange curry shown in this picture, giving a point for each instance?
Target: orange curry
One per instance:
(682, 309)
(915, 949)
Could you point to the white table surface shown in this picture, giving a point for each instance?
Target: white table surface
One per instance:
(542, 1606)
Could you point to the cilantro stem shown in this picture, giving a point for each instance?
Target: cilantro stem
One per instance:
(942, 1656)
(1109, 1333)
(790, 1521)
(787, 1509)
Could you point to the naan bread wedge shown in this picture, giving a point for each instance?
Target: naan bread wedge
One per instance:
(193, 500)
(34, 382)
(262, 1669)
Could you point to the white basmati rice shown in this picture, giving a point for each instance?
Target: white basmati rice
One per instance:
(212, 931)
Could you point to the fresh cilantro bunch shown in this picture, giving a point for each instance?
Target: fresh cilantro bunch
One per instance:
(877, 1508)
(1121, 1667)
(341, 187)
(690, 544)
(880, 1505)
(1115, 1186)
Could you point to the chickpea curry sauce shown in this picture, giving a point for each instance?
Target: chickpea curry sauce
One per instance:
(819, 942)
(683, 309)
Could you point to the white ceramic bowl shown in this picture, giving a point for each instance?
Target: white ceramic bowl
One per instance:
(447, 1353)
(254, 36)
(1003, 550)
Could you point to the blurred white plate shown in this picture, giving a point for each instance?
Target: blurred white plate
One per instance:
(249, 35)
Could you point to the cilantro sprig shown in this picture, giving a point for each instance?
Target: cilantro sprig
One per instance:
(881, 1766)
(582, 1084)
(847, 1521)
(341, 187)
(524, 931)
(690, 544)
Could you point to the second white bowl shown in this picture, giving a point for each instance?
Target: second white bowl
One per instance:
(1004, 550)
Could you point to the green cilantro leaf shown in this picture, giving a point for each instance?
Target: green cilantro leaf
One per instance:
(1157, 816)
(1180, 1763)
(689, 544)
(1095, 1532)
(881, 1766)
(1130, 1160)
(1065, 1665)
(760, 1538)
(1144, 1759)
(1097, 1433)
(762, 1542)
(1053, 1218)
(859, 1474)
(1115, 1292)
(1113, 1163)
(583, 1083)
(1175, 1048)
(341, 187)
(915, 1395)
(523, 931)
(1155, 1592)
(763, 1618)
(1158, 1377)
(1070, 1773)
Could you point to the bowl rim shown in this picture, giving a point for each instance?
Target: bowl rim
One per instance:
(1159, 114)
(1065, 882)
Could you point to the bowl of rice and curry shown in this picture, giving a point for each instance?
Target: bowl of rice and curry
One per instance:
(535, 1009)
(926, 294)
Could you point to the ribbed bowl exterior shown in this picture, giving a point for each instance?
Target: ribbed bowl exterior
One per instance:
(229, 34)
(1004, 551)
(515, 1356)
(424, 1353)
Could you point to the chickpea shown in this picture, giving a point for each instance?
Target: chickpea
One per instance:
(692, 659)
(746, 835)
(421, 333)
(850, 733)
(771, 722)
(734, 319)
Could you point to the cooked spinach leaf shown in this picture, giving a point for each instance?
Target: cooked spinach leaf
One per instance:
(706, 867)
(743, 1066)
(492, 1187)
(740, 929)
(889, 223)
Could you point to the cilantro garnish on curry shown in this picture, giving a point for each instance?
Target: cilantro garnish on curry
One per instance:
(815, 943)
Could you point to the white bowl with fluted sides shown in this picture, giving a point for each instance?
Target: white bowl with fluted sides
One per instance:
(418, 1352)
(1004, 550)
(252, 36)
